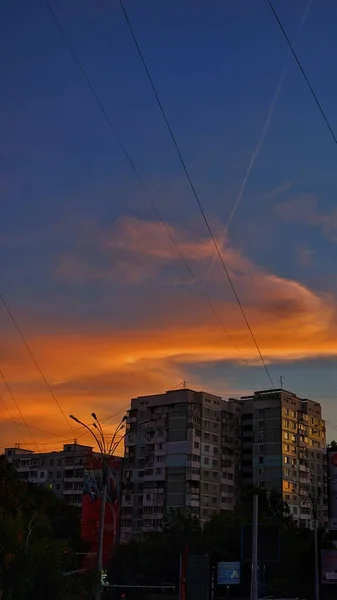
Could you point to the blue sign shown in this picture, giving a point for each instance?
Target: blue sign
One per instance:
(228, 573)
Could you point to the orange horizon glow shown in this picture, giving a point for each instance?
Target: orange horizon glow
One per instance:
(102, 370)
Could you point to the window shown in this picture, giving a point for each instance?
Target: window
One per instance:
(260, 460)
(286, 435)
(287, 460)
(148, 496)
(51, 462)
(206, 461)
(58, 475)
(59, 462)
(58, 486)
(42, 475)
(196, 445)
(159, 471)
(206, 448)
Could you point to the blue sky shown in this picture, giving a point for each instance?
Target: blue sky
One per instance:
(88, 270)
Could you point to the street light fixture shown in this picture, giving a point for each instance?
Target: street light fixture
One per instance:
(105, 453)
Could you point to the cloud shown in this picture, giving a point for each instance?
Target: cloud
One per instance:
(99, 365)
(304, 210)
(135, 250)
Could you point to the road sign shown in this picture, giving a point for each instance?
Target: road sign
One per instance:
(228, 573)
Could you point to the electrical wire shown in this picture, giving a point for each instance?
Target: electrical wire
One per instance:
(195, 194)
(305, 76)
(141, 182)
(260, 141)
(18, 407)
(23, 339)
(16, 425)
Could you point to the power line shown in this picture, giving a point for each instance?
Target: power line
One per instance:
(312, 91)
(16, 425)
(195, 194)
(138, 177)
(12, 318)
(17, 407)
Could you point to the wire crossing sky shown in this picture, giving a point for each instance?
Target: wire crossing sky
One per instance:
(105, 261)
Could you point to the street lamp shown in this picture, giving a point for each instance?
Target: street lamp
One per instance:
(105, 451)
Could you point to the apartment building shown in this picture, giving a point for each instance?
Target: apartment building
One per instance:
(182, 451)
(284, 448)
(63, 471)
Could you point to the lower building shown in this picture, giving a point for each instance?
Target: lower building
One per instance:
(60, 471)
(182, 451)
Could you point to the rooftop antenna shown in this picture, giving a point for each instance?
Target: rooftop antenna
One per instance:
(281, 382)
(184, 384)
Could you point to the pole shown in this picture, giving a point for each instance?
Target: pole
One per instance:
(254, 584)
(101, 534)
(316, 557)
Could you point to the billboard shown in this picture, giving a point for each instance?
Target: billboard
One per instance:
(91, 507)
(329, 566)
(332, 487)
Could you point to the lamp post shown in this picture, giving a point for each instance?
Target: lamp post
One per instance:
(314, 500)
(106, 450)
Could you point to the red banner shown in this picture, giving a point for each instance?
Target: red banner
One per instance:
(91, 508)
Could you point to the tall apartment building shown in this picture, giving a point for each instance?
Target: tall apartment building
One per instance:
(284, 448)
(182, 451)
(63, 471)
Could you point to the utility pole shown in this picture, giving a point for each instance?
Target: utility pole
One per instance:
(316, 567)
(254, 583)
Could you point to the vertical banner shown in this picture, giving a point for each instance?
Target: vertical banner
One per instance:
(332, 488)
(91, 506)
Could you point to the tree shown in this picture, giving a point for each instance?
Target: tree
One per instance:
(39, 539)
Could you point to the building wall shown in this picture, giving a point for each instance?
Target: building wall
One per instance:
(62, 472)
(284, 449)
(182, 451)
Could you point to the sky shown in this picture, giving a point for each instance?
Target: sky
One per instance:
(88, 268)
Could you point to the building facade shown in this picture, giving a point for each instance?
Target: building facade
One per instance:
(63, 471)
(284, 448)
(182, 451)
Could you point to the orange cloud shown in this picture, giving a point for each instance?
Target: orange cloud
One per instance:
(101, 370)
